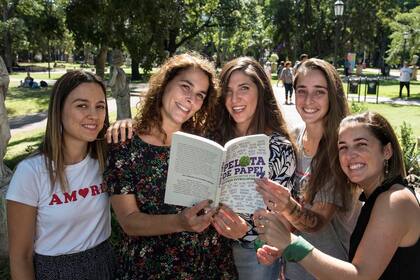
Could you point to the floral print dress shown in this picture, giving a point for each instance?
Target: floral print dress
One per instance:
(138, 168)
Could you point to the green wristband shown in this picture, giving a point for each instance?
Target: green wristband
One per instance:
(297, 250)
(258, 243)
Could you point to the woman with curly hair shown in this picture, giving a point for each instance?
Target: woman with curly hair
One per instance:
(164, 241)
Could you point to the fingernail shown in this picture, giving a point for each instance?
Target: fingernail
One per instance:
(210, 201)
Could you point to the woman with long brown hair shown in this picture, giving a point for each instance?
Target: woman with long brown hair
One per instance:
(319, 206)
(247, 106)
(165, 241)
(58, 210)
(385, 244)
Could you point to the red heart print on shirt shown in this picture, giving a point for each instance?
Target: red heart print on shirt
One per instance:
(84, 192)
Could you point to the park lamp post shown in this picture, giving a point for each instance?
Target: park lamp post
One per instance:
(338, 12)
(406, 35)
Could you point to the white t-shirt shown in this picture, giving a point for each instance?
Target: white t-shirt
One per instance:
(68, 222)
(405, 74)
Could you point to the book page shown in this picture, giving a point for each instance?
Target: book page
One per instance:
(246, 159)
(194, 170)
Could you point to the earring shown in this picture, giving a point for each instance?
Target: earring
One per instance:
(386, 167)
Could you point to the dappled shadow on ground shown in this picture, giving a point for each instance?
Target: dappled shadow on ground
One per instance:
(20, 121)
(24, 93)
(37, 138)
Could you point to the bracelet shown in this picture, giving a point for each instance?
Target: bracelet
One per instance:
(297, 250)
(258, 243)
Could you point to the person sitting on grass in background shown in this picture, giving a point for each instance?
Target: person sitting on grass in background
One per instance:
(28, 81)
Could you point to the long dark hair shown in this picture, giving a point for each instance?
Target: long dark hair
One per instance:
(267, 118)
(381, 130)
(52, 145)
(325, 161)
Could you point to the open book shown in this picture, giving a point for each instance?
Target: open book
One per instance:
(202, 169)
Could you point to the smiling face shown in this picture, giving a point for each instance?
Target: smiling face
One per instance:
(241, 100)
(362, 155)
(83, 115)
(312, 97)
(183, 97)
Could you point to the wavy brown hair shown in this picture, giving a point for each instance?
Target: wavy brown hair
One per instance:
(149, 115)
(52, 145)
(381, 130)
(325, 163)
(267, 118)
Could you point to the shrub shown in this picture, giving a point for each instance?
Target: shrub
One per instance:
(411, 154)
(357, 107)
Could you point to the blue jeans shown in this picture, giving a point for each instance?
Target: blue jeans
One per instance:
(288, 90)
(248, 267)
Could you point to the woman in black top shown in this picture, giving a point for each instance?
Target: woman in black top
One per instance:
(385, 243)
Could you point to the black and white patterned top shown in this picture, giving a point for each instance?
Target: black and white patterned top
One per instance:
(282, 165)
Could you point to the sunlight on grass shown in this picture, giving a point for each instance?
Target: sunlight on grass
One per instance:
(397, 114)
(21, 145)
(391, 89)
(23, 101)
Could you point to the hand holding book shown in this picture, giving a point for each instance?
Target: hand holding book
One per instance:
(202, 169)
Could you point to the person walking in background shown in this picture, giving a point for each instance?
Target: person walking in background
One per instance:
(58, 211)
(302, 58)
(286, 77)
(347, 66)
(279, 69)
(385, 243)
(159, 240)
(405, 76)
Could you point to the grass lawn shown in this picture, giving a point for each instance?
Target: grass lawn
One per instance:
(23, 101)
(387, 88)
(21, 145)
(391, 89)
(397, 114)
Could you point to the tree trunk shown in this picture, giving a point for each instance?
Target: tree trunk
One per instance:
(100, 62)
(8, 57)
(135, 73)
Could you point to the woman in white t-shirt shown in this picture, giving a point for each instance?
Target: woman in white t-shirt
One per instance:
(58, 210)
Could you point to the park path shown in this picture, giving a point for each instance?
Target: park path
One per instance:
(39, 120)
